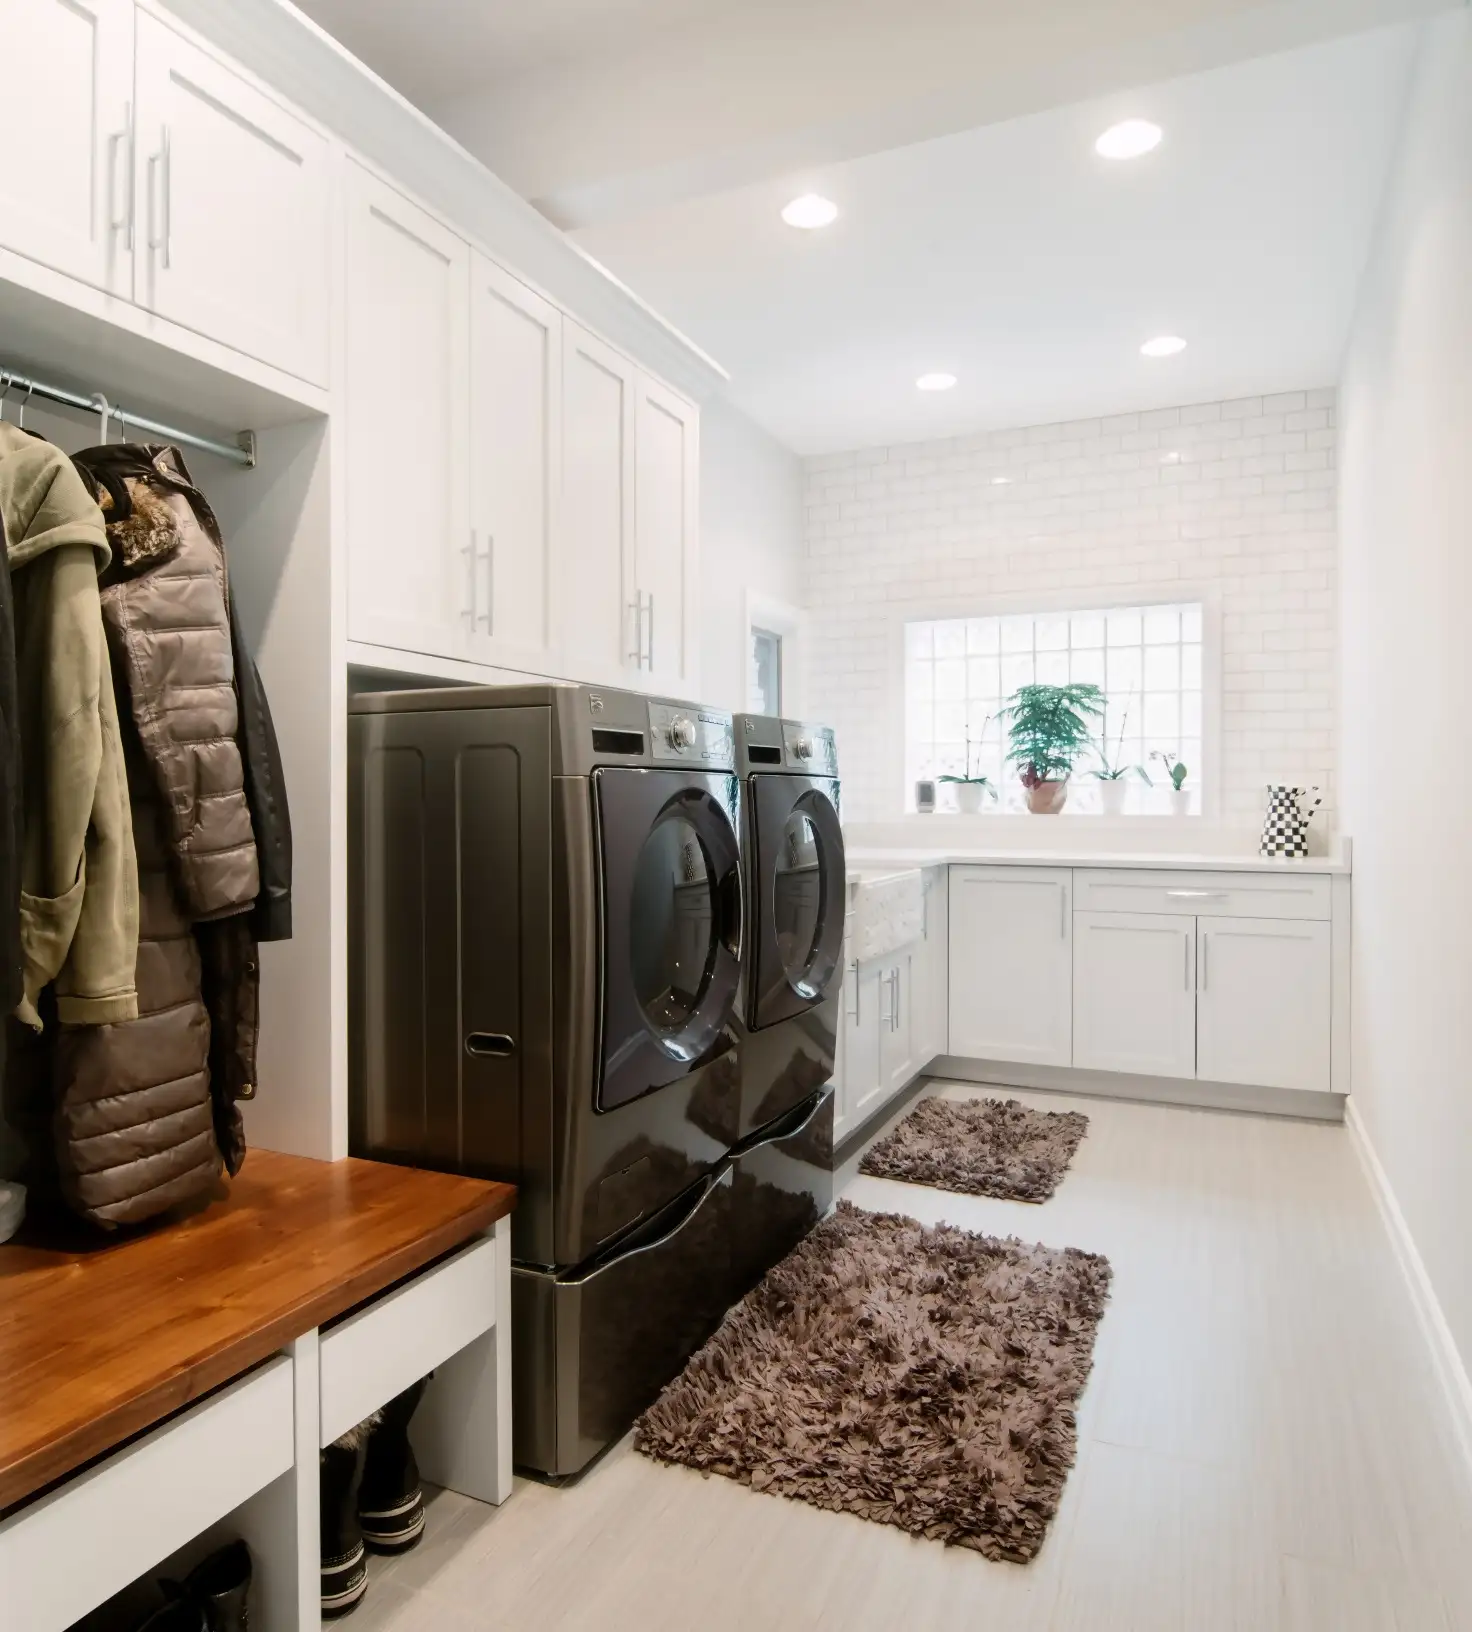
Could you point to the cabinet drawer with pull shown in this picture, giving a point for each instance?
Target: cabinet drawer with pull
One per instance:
(1222, 895)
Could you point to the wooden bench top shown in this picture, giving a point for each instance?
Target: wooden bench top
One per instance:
(100, 1340)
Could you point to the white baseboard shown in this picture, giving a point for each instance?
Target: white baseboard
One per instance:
(1451, 1369)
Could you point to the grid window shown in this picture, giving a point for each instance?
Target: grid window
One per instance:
(959, 673)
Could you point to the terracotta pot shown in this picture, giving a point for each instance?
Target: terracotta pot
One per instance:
(1047, 798)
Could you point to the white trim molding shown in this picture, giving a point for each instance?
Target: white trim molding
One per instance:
(1447, 1359)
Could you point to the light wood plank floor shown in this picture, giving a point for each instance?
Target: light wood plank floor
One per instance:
(1262, 1444)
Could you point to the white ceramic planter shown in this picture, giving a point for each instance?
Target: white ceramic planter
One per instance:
(970, 797)
(1112, 795)
(1180, 801)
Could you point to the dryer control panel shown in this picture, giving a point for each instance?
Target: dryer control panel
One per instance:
(691, 736)
(809, 748)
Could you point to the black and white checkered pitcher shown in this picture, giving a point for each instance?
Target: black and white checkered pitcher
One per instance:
(1285, 827)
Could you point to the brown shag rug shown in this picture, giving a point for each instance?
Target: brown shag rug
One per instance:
(925, 1378)
(980, 1147)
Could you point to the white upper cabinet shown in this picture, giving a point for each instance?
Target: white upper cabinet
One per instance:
(232, 207)
(410, 554)
(603, 629)
(515, 469)
(1011, 973)
(666, 527)
(67, 69)
(1263, 1012)
(1134, 989)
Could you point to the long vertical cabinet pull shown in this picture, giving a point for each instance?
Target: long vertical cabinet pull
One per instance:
(161, 189)
(1201, 960)
(649, 660)
(122, 142)
(636, 606)
(853, 970)
(468, 551)
(488, 617)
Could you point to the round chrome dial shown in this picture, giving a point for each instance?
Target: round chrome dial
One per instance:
(803, 747)
(682, 732)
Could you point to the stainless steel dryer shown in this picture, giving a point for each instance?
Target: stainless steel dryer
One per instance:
(545, 942)
(791, 975)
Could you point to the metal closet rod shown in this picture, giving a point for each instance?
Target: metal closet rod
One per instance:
(240, 452)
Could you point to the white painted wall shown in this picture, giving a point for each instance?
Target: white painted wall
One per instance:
(1093, 513)
(1406, 506)
(750, 542)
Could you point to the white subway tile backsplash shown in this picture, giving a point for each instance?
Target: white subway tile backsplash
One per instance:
(1092, 509)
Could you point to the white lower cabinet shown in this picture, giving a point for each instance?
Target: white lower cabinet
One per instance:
(931, 1004)
(1011, 964)
(1264, 1000)
(1134, 996)
(896, 1023)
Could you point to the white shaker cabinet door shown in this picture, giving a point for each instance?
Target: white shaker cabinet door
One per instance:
(1263, 1002)
(1011, 964)
(66, 68)
(233, 208)
(602, 627)
(930, 999)
(515, 460)
(666, 528)
(410, 554)
(897, 1023)
(1134, 993)
(865, 1020)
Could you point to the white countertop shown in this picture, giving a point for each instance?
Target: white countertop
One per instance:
(860, 857)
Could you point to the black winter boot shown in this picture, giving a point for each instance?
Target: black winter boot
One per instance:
(344, 1569)
(221, 1588)
(390, 1503)
(177, 1616)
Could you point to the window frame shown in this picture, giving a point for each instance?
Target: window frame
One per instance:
(1049, 603)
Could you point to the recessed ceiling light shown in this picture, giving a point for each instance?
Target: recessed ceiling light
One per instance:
(1001, 481)
(1163, 345)
(935, 382)
(1129, 139)
(810, 211)
(1171, 458)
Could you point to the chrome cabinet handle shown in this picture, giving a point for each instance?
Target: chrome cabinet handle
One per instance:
(853, 969)
(895, 1000)
(1197, 895)
(649, 663)
(488, 617)
(161, 187)
(121, 141)
(469, 553)
(1201, 960)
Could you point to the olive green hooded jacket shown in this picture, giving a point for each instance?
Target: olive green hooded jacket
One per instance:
(79, 873)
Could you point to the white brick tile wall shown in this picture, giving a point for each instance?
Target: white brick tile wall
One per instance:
(1231, 499)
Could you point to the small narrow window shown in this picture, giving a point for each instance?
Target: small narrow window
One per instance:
(765, 690)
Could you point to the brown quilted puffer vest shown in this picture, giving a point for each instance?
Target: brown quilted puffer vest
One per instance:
(138, 1127)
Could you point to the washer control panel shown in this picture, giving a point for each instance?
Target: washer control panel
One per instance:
(691, 736)
(809, 748)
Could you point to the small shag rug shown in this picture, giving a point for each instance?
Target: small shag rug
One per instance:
(924, 1378)
(980, 1147)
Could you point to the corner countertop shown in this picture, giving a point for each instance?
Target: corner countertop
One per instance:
(864, 857)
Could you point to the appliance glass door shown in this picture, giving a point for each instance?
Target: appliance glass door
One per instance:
(672, 923)
(800, 883)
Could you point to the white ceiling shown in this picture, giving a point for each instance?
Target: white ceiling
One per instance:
(437, 49)
(1014, 257)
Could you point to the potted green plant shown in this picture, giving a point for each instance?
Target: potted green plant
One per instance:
(971, 790)
(1180, 794)
(1047, 731)
(1112, 770)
